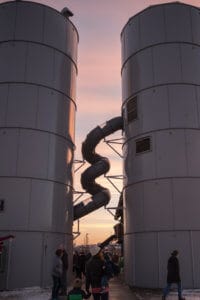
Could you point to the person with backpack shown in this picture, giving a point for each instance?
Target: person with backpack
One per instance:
(108, 272)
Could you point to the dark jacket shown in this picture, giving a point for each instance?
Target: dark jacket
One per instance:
(95, 270)
(81, 262)
(173, 274)
(65, 260)
(79, 293)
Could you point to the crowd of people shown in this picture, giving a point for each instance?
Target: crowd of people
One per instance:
(96, 267)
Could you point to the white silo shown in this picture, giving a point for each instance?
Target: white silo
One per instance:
(38, 57)
(161, 110)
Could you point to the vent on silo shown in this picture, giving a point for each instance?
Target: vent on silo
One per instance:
(131, 109)
(66, 12)
(143, 145)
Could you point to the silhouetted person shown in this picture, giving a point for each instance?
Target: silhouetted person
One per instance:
(76, 268)
(108, 272)
(95, 271)
(173, 275)
(81, 262)
(57, 269)
(64, 273)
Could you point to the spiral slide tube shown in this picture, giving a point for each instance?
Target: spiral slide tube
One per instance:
(99, 165)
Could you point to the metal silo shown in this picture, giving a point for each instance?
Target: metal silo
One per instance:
(161, 109)
(38, 56)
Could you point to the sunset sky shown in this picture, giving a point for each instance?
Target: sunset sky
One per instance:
(99, 24)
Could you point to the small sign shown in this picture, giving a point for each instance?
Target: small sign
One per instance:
(2, 205)
(1, 247)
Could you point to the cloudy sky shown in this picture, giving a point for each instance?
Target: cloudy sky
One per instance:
(99, 23)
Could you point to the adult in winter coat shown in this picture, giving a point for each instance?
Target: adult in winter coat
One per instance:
(76, 268)
(82, 261)
(64, 272)
(95, 270)
(57, 269)
(173, 275)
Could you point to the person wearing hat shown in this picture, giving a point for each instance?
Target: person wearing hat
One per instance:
(173, 275)
(77, 293)
(95, 271)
